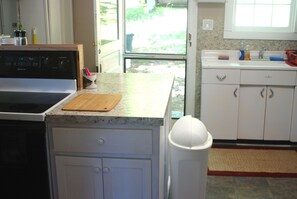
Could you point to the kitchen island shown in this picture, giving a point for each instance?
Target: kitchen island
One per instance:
(120, 154)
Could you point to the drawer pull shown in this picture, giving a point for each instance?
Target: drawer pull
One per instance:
(100, 141)
(262, 92)
(221, 78)
(272, 93)
(235, 92)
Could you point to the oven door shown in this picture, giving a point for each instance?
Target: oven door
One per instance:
(23, 160)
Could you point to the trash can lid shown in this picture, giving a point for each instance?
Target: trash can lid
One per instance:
(190, 133)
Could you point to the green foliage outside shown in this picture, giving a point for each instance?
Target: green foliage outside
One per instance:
(140, 14)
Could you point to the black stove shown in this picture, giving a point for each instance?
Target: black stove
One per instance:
(32, 82)
(29, 102)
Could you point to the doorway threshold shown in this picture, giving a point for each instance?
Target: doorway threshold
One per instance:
(254, 144)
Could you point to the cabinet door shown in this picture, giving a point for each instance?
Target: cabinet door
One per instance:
(251, 112)
(293, 137)
(278, 113)
(79, 178)
(127, 179)
(219, 110)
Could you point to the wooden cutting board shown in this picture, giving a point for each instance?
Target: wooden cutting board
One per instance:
(93, 102)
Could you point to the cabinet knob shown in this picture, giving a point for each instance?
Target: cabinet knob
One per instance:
(106, 170)
(97, 169)
(100, 141)
(268, 76)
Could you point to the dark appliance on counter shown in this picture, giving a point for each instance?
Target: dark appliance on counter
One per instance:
(32, 82)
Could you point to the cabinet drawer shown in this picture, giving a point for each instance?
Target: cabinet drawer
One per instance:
(267, 77)
(219, 76)
(121, 141)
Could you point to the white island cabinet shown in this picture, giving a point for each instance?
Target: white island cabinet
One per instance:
(120, 154)
(109, 175)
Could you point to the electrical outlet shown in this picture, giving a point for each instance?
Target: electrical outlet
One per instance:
(207, 24)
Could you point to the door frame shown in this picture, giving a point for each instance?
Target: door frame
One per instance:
(110, 48)
(191, 57)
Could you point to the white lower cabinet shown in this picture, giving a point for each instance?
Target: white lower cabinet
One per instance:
(219, 110)
(219, 102)
(251, 112)
(293, 136)
(103, 178)
(79, 177)
(265, 112)
(278, 113)
(249, 103)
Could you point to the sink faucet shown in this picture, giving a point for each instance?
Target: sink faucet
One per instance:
(261, 53)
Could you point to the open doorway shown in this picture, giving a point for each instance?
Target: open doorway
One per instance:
(156, 42)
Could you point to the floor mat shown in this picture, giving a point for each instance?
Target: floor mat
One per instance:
(252, 162)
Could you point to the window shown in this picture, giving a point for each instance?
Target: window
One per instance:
(261, 19)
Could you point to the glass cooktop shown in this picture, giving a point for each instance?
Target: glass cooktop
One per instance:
(29, 102)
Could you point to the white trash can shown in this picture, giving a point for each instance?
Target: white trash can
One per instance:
(189, 143)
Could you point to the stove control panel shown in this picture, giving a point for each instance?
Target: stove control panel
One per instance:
(38, 64)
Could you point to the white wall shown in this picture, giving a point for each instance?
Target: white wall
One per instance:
(8, 16)
(84, 29)
(52, 18)
(33, 14)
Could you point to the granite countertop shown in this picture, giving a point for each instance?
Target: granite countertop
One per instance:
(144, 100)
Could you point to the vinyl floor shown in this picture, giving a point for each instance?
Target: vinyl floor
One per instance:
(230, 187)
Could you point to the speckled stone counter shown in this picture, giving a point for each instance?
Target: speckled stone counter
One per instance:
(145, 98)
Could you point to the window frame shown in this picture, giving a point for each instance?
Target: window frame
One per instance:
(231, 32)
